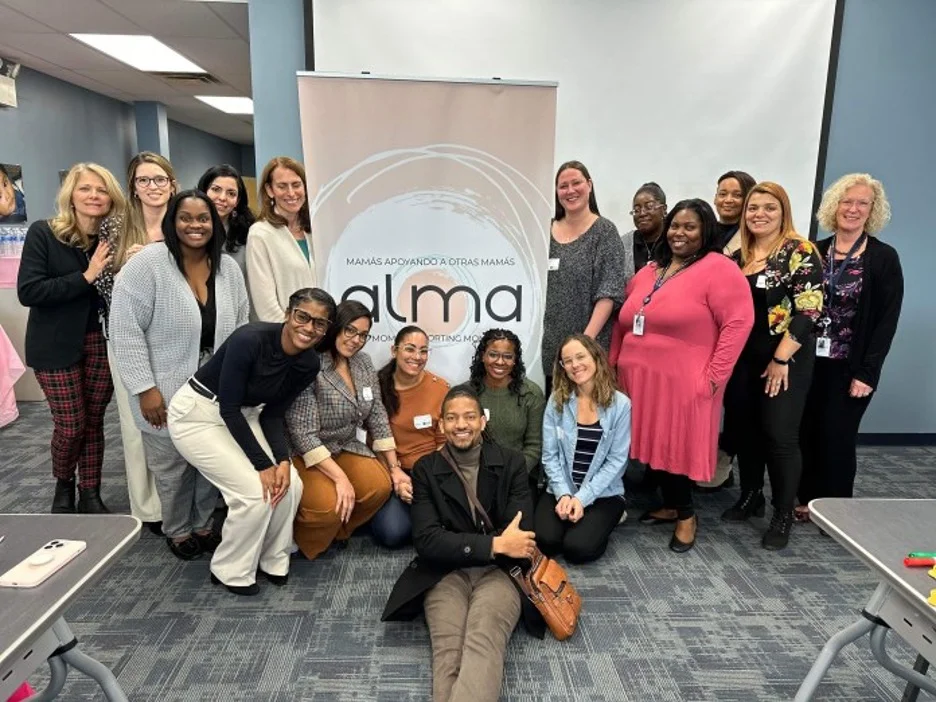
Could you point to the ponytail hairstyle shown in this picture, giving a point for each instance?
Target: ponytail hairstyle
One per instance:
(388, 393)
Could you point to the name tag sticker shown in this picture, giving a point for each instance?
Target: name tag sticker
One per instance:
(823, 346)
(367, 394)
(361, 435)
(761, 281)
(553, 264)
(422, 421)
(638, 325)
(487, 414)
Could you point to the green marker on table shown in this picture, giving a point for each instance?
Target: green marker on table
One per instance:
(922, 554)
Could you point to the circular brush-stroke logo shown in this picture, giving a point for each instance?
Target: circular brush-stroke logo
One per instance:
(443, 236)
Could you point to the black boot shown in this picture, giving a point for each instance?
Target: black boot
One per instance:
(778, 533)
(89, 501)
(64, 500)
(750, 504)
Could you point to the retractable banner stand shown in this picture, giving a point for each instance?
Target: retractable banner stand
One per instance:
(430, 203)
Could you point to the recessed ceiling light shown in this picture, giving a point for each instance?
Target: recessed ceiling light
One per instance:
(141, 51)
(231, 105)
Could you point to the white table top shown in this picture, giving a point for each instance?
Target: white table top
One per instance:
(28, 612)
(881, 532)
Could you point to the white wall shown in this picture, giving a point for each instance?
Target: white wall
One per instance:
(676, 91)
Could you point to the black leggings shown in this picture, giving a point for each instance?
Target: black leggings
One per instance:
(829, 433)
(584, 541)
(676, 491)
(769, 426)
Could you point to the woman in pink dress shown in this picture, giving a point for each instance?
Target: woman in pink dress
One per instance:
(684, 322)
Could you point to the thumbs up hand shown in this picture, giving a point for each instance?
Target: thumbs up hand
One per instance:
(514, 541)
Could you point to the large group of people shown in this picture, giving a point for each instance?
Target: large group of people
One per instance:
(700, 338)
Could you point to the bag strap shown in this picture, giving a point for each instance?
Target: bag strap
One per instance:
(469, 491)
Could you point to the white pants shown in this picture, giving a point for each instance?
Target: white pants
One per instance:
(141, 483)
(253, 533)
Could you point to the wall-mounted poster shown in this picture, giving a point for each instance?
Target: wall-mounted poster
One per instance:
(12, 197)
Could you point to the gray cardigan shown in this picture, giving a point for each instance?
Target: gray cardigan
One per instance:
(155, 323)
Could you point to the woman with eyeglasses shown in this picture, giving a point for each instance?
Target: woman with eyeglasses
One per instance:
(336, 427)
(174, 303)
(677, 338)
(586, 441)
(413, 398)
(226, 189)
(216, 423)
(649, 211)
(151, 183)
(587, 266)
(279, 245)
(513, 404)
(863, 287)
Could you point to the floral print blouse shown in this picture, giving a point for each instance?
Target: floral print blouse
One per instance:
(842, 309)
(793, 289)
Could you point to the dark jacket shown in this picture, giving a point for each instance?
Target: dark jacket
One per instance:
(51, 284)
(445, 534)
(882, 288)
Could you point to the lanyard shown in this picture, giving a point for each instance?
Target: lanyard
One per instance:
(660, 281)
(835, 275)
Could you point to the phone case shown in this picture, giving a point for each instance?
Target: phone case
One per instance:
(37, 568)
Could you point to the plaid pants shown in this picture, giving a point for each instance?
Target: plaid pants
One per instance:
(78, 396)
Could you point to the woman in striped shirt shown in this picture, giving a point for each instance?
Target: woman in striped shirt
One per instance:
(586, 442)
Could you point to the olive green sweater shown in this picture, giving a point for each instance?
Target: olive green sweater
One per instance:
(516, 422)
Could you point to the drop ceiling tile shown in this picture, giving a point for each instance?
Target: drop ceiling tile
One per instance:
(140, 85)
(62, 51)
(179, 18)
(75, 16)
(235, 14)
(13, 21)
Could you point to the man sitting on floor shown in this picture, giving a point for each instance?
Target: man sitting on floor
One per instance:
(459, 577)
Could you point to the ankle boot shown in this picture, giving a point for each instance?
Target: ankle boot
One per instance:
(64, 500)
(89, 501)
(750, 504)
(778, 533)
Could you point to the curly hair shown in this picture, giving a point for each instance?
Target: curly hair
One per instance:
(517, 373)
(880, 209)
(604, 385)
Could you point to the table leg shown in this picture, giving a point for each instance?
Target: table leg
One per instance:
(58, 671)
(835, 644)
(912, 691)
(98, 671)
(901, 671)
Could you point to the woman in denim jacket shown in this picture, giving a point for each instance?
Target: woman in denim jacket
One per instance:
(586, 442)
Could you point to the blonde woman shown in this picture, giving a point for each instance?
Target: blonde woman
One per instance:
(151, 183)
(62, 259)
(279, 245)
(773, 374)
(863, 286)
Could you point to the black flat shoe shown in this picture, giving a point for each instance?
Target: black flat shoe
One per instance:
(89, 501)
(278, 580)
(185, 550)
(154, 527)
(678, 546)
(650, 520)
(208, 542)
(244, 590)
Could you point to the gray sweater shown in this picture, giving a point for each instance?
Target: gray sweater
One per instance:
(155, 323)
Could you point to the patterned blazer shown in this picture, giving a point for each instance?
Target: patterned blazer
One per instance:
(794, 289)
(326, 417)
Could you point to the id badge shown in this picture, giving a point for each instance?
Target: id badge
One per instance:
(638, 325)
(761, 281)
(422, 421)
(361, 435)
(553, 264)
(487, 414)
(823, 346)
(367, 394)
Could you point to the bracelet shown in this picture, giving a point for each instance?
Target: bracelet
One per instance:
(780, 361)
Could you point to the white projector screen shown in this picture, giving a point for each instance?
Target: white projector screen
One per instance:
(672, 91)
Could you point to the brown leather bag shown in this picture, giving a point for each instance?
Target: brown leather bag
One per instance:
(546, 583)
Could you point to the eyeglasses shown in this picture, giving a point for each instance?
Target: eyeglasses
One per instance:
(351, 332)
(146, 181)
(320, 324)
(860, 204)
(577, 358)
(495, 356)
(415, 351)
(648, 207)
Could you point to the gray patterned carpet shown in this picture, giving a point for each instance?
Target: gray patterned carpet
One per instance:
(728, 621)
